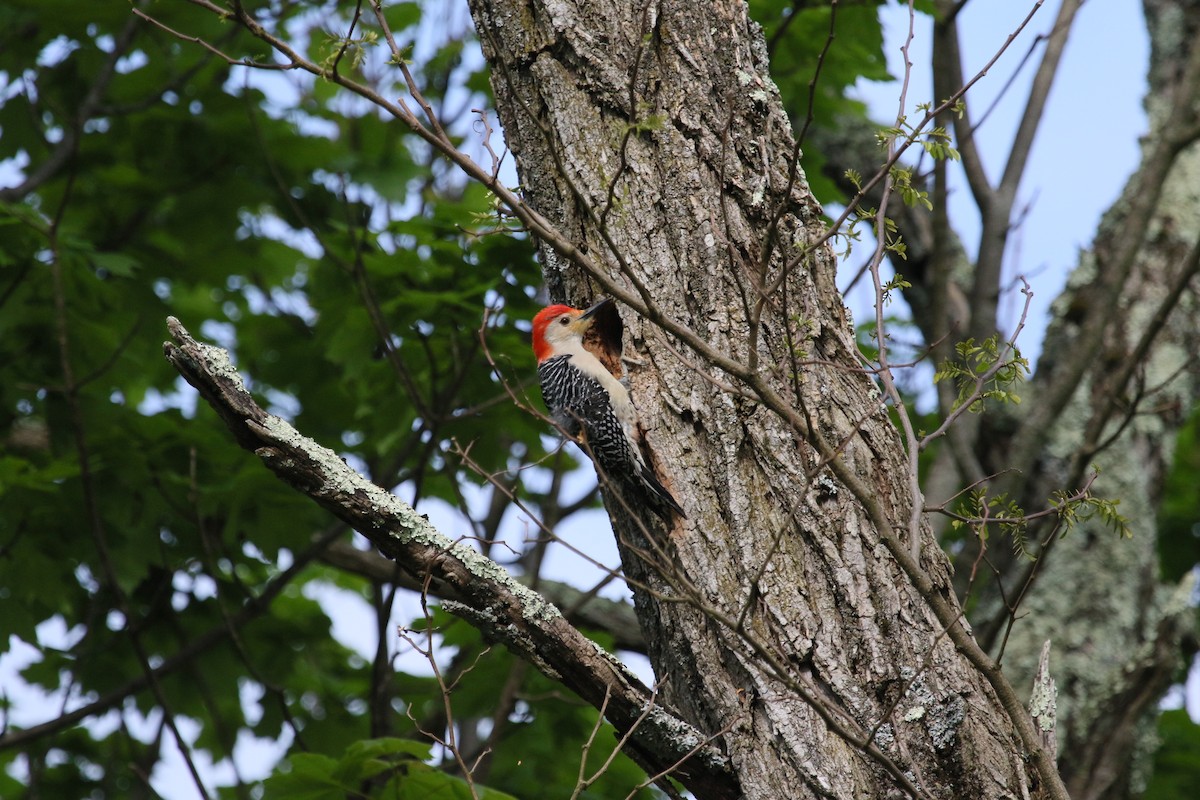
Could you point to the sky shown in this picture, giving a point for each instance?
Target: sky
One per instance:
(1086, 148)
(1085, 151)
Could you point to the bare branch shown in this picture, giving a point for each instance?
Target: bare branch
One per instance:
(503, 610)
(997, 222)
(947, 75)
(613, 617)
(902, 147)
(65, 148)
(1136, 358)
(1144, 193)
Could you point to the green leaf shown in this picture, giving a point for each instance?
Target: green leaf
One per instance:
(310, 776)
(1176, 773)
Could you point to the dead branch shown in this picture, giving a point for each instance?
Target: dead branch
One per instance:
(501, 608)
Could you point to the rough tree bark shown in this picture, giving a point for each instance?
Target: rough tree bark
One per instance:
(803, 615)
(779, 612)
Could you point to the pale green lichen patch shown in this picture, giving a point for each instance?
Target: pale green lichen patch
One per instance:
(914, 713)
(945, 720)
(684, 737)
(1181, 598)
(1042, 709)
(219, 363)
(1043, 703)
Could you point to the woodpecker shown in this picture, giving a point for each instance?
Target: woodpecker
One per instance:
(584, 398)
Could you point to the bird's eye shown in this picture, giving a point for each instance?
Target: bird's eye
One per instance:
(564, 320)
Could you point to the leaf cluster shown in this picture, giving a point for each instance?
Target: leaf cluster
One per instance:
(981, 512)
(348, 272)
(984, 371)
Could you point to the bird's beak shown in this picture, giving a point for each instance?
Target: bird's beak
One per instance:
(591, 311)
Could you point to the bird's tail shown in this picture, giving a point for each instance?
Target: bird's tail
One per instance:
(661, 502)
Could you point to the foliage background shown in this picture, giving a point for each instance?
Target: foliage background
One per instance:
(349, 271)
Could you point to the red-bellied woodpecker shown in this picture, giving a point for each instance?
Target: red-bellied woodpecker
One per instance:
(584, 398)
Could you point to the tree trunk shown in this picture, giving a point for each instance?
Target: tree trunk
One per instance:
(778, 616)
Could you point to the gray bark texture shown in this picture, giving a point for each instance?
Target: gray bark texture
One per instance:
(777, 616)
